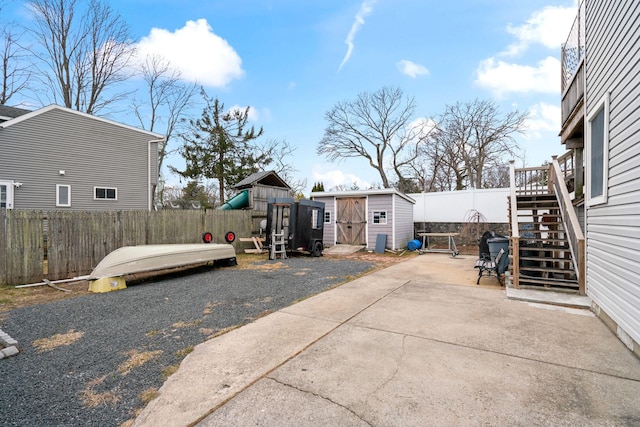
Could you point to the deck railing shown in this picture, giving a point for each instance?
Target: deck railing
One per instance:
(570, 222)
(515, 232)
(573, 50)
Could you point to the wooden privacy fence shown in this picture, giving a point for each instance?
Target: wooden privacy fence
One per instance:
(64, 244)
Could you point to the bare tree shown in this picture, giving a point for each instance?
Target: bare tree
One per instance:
(478, 136)
(16, 72)
(86, 49)
(167, 99)
(373, 126)
(275, 157)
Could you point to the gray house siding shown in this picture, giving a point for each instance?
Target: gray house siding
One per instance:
(92, 152)
(613, 228)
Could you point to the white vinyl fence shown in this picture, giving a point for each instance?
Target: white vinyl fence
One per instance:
(454, 206)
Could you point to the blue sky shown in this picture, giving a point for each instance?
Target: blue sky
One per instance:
(292, 60)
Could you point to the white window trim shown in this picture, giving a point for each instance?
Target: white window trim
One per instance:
(373, 218)
(58, 186)
(327, 217)
(106, 198)
(598, 200)
(9, 186)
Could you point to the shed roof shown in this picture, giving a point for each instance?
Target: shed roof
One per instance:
(265, 178)
(362, 193)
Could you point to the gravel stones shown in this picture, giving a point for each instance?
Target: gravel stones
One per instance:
(97, 359)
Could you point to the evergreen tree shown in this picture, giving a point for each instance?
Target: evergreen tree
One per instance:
(218, 146)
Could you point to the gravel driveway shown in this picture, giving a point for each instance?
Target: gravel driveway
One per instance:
(96, 359)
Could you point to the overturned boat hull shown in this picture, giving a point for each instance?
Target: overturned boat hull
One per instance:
(145, 258)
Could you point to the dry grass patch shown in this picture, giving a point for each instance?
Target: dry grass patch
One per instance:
(206, 331)
(148, 395)
(169, 370)
(182, 324)
(93, 399)
(184, 351)
(269, 267)
(210, 306)
(57, 340)
(136, 358)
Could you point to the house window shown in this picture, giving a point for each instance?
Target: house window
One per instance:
(327, 217)
(379, 217)
(598, 153)
(103, 193)
(63, 195)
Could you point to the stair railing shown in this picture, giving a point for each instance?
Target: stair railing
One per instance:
(570, 222)
(515, 233)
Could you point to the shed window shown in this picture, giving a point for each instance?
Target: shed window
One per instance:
(63, 195)
(104, 193)
(327, 217)
(379, 217)
(598, 153)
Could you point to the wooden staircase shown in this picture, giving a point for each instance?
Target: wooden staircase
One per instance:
(544, 256)
(547, 249)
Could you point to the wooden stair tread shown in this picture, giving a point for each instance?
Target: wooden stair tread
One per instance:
(550, 281)
(547, 269)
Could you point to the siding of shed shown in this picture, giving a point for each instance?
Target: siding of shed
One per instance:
(380, 202)
(92, 152)
(613, 229)
(403, 222)
(260, 195)
(329, 229)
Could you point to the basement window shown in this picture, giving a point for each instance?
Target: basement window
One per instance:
(105, 193)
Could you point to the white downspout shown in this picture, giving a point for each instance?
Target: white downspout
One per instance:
(149, 195)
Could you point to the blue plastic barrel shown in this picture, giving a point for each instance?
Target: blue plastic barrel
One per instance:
(414, 244)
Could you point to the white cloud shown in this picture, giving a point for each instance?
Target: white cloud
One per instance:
(501, 77)
(543, 118)
(365, 9)
(412, 69)
(549, 27)
(201, 55)
(333, 178)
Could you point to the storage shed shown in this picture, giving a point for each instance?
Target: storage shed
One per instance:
(358, 217)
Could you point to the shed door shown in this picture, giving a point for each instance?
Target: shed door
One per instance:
(351, 220)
